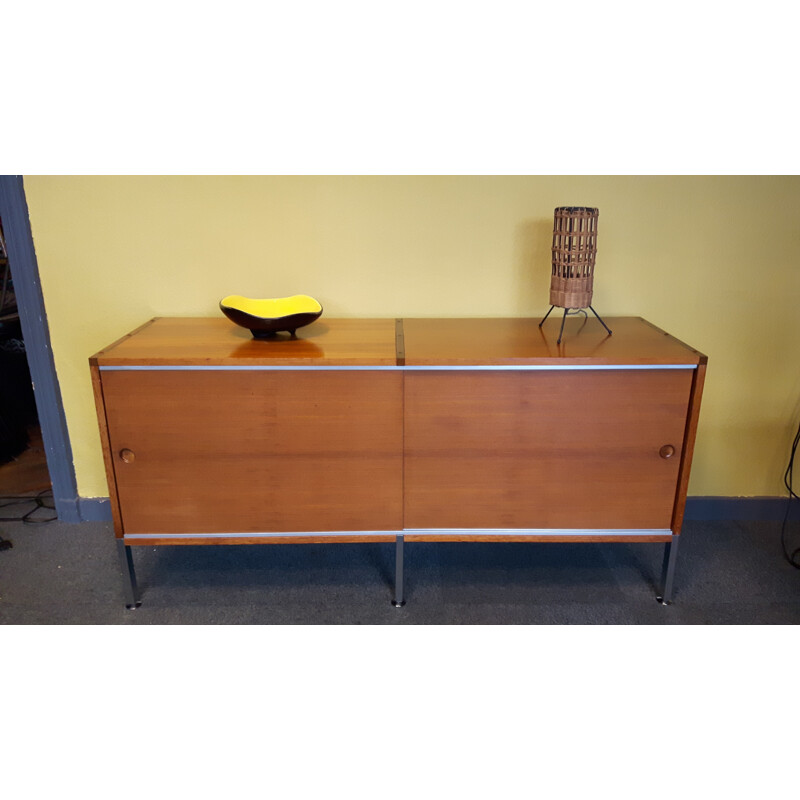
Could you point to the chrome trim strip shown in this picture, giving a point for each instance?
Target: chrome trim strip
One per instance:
(296, 534)
(417, 532)
(237, 367)
(539, 531)
(546, 367)
(407, 368)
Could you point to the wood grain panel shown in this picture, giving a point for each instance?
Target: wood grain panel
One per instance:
(108, 460)
(688, 446)
(543, 449)
(247, 452)
(202, 341)
(516, 342)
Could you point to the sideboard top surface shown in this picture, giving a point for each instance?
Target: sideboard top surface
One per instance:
(518, 341)
(198, 341)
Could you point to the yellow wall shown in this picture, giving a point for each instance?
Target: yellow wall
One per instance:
(713, 260)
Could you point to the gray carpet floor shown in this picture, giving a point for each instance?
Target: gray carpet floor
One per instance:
(727, 573)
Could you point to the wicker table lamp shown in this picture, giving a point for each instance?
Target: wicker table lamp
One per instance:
(574, 251)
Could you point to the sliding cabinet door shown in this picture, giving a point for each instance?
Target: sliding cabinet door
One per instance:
(597, 449)
(256, 451)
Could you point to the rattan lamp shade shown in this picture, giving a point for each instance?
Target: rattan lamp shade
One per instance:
(574, 251)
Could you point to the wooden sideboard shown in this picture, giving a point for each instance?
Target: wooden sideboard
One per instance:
(397, 431)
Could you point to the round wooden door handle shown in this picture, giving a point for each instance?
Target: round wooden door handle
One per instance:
(667, 451)
(128, 456)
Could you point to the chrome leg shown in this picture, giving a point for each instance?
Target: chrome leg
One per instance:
(668, 571)
(399, 598)
(128, 575)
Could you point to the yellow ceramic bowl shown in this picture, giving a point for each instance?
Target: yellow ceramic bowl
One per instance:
(264, 318)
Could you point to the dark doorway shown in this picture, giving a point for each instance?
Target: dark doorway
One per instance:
(34, 354)
(23, 463)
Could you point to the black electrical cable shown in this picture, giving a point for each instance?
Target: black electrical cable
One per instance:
(788, 481)
(39, 501)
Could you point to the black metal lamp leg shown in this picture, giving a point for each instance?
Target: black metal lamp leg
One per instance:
(128, 575)
(668, 571)
(601, 321)
(563, 320)
(399, 599)
(546, 316)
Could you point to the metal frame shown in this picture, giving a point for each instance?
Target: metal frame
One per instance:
(668, 571)
(33, 318)
(132, 599)
(399, 589)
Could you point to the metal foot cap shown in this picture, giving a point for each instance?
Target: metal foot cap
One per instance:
(398, 605)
